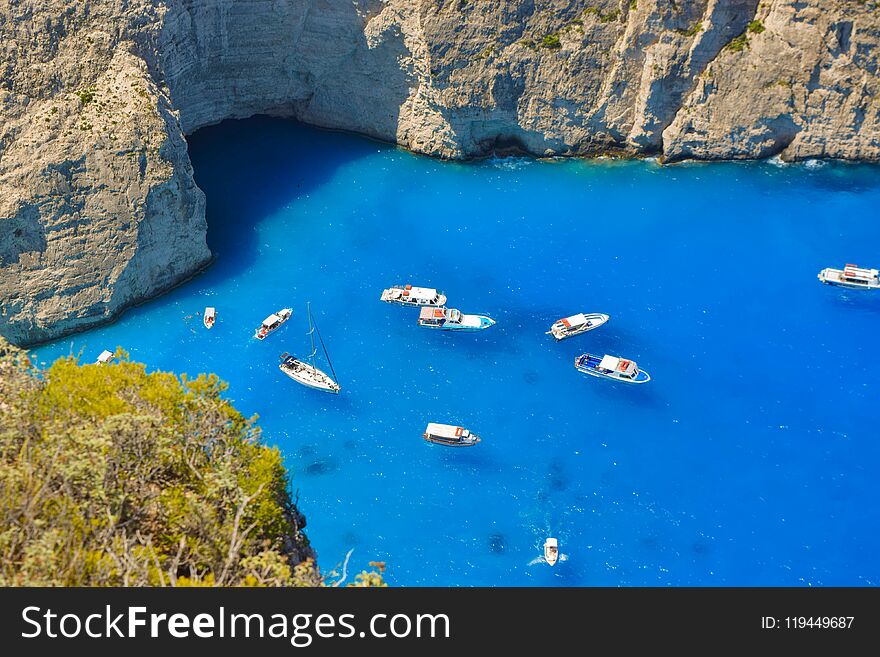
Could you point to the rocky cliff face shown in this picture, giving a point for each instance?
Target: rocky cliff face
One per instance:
(98, 208)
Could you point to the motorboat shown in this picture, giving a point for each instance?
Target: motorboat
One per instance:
(450, 319)
(852, 277)
(449, 435)
(576, 324)
(407, 295)
(104, 357)
(272, 323)
(209, 317)
(611, 367)
(551, 551)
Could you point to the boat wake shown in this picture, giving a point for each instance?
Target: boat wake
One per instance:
(541, 559)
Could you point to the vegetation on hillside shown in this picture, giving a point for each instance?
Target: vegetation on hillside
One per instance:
(110, 475)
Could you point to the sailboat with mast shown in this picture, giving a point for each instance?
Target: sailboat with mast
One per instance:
(307, 373)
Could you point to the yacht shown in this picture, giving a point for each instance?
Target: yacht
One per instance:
(306, 372)
(551, 551)
(209, 317)
(407, 295)
(272, 323)
(576, 324)
(450, 435)
(450, 319)
(611, 367)
(852, 277)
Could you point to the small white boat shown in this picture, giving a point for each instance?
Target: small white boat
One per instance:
(307, 373)
(450, 319)
(407, 295)
(272, 323)
(852, 277)
(209, 317)
(611, 367)
(449, 435)
(551, 551)
(104, 357)
(576, 324)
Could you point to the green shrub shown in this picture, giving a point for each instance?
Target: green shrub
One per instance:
(738, 43)
(551, 41)
(755, 27)
(114, 476)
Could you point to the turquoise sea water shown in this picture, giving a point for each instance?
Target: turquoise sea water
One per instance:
(751, 458)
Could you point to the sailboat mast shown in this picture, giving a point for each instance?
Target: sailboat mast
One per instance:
(311, 335)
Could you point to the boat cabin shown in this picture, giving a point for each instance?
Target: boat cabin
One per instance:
(449, 434)
(860, 276)
(417, 296)
(429, 316)
(619, 366)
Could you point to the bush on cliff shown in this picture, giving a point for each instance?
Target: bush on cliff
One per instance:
(110, 475)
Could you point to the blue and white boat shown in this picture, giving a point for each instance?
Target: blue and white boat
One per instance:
(450, 319)
(611, 367)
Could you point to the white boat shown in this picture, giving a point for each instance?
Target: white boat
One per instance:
(209, 317)
(272, 323)
(551, 551)
(307, 373)
(576, 324)
(407, 295)
(449, 435)
(611, 367)
(104, 357)
(852, 277)
(450, 319)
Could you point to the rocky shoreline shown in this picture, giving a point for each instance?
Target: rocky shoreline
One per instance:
(98, 207)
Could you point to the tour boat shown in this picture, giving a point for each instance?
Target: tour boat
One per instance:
(450, 319)
(450, 435)
(104, 357)
(209, 317)
(852, 277)
(307, 373)
(611, 367)
(551, 551)
(576, 324)
(407, 295)
(272, 323)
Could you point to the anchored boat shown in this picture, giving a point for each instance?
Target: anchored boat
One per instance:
(272, 323)
(407, 295)
(450, 435)
(576, 324)
(551, 551)
(209, 317)
(104, 357)
(307, 373)
(450, 319)
(852, 277)
(611, 367)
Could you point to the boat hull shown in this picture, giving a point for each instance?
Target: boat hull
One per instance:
(484, 323)
(309, 376)
(452, 443)
(641, 377)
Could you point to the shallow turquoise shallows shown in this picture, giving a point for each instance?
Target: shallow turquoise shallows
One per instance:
(750, 458)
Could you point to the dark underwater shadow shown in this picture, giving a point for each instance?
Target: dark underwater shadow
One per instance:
(251, 168)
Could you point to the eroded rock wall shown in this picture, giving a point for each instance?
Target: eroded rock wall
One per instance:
(98, 208)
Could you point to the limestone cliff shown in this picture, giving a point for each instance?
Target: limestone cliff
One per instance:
(98, 208)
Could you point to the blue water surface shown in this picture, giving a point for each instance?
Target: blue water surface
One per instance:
(751, 458)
